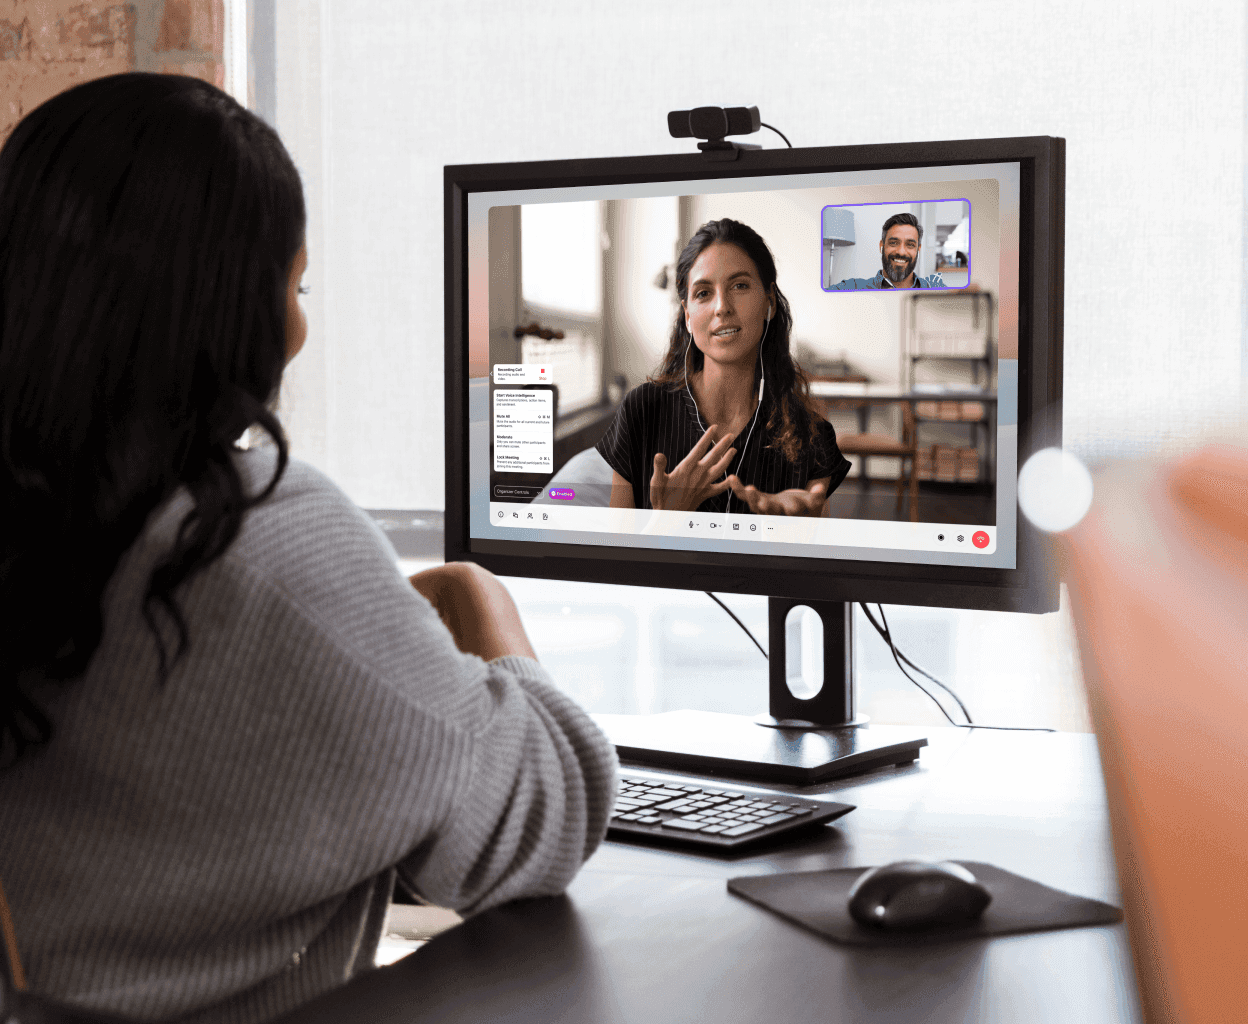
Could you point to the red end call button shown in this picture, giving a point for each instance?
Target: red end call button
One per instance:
(979, 539)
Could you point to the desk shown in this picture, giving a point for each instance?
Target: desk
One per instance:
(653, 936)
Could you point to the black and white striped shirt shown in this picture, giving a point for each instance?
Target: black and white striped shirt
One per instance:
(657, 418)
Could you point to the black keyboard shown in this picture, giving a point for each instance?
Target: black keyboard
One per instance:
(711, 816)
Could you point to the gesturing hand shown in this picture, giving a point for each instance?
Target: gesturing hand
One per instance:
(794, 502)
(694, 480)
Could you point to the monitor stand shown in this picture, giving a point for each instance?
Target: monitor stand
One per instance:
(812, 734)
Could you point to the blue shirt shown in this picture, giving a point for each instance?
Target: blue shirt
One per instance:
(855, 284)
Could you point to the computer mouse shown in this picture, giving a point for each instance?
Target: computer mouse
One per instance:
(914, 894)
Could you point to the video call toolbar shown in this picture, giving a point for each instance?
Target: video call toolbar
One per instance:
(968, 538)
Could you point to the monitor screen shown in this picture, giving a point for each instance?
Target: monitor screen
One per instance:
(868, 324)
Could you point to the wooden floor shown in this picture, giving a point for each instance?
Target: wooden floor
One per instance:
(938, 503)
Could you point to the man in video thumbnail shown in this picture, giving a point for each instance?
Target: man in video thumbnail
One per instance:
(900, 245)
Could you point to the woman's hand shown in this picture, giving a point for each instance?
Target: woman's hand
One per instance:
(797, 501)
(476, 608)
(694, 480)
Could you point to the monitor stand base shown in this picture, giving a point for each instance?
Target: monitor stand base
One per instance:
(814, 733)
(772, 722)
(712, 743)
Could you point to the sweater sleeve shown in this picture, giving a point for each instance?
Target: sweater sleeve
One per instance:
(532, 805)
(515, 781)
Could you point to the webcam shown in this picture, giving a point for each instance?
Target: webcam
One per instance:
(713, 124)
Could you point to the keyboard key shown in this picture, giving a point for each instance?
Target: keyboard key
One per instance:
(742, 830)
(684, 826)
(629, 817)
(649, 819)
(673, 805)
(775, 819)
(713, 829)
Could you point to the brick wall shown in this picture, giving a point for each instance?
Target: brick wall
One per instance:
(47, 46)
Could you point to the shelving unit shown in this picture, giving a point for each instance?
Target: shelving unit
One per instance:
(953, 328)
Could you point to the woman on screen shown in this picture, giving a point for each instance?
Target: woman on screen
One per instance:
(228, 724)
(726, 424)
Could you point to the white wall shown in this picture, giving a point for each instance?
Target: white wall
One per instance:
(374, 96)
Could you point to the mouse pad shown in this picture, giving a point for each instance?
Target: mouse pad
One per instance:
(818, 900)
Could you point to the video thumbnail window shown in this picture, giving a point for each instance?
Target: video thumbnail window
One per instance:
(693, 353)
(921, 245)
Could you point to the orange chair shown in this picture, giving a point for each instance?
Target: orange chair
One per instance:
(1158, 576)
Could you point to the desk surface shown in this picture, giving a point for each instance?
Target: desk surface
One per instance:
(651, 936)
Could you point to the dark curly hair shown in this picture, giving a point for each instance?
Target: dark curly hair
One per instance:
(794, 416)
(148, 227)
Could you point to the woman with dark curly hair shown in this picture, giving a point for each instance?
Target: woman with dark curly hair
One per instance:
(228, 724)
(726, 424)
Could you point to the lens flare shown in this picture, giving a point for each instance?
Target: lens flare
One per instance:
(1054, 490)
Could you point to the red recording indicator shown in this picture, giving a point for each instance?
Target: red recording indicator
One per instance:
(979, 539)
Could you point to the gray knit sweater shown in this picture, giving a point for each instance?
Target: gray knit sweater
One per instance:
(224, 847)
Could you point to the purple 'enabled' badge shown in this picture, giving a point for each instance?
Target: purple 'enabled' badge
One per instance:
(562, 493)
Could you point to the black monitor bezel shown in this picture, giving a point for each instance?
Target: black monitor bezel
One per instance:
(1030, 587)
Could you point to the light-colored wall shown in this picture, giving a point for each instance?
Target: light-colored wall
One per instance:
(395, 95)
(639, 322)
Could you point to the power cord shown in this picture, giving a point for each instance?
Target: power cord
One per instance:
(899, 658)
(737, 621)
(764, 124)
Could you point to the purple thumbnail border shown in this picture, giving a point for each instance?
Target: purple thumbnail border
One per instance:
(912, 202)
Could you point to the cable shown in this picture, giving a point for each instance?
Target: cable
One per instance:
(898, 657)
(764, 124)
(887, 634)
(737, 621)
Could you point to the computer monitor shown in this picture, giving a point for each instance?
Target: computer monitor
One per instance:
(922, 293)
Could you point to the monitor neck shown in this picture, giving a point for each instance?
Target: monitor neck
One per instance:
(798, 701)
